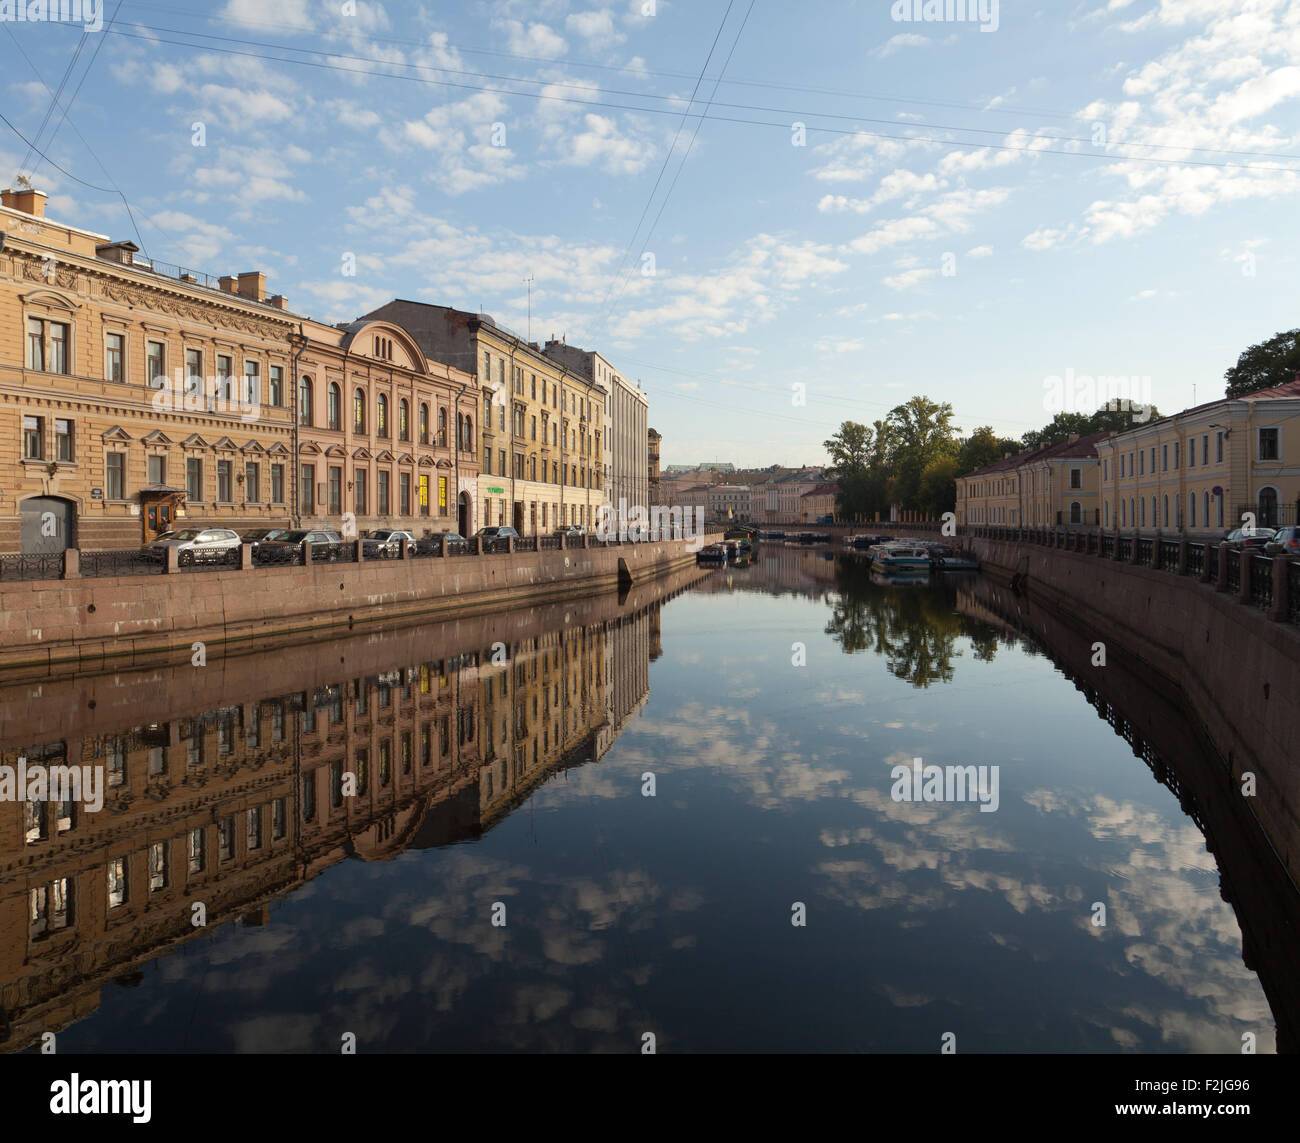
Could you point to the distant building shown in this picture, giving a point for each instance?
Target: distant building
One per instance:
(1056, 484)
(817, 503)
(729, 502)
(653, 490)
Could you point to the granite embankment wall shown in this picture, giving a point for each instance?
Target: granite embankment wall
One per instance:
(48, 627)
(1236, 668)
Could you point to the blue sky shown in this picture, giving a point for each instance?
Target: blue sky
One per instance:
(969, 214)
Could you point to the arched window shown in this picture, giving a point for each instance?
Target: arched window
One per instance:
(1205, 502)
(1155, 514)
(359, 412)
(335, 406)
(1166, 511)
(381, 415)
(403, 421)
(1144, 513)
(468, 441)
(424, 423)
(1107, 513)
(1191, 509)
(442, 427)
(1076, 512)
(460, 429)
(1266, 515)
(1123, 513)
(304, 401)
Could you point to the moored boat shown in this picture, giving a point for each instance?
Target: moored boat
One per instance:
(897, 557)
(712, 554)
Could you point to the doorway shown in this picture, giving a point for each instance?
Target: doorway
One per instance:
(49, 525)
(519, 517)
(462, 514)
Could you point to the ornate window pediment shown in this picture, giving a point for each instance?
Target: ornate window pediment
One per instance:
(194, 441)
(116, 433)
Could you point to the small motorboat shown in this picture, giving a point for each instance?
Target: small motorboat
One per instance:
(712, 554)
(953, 560)
(898, 556)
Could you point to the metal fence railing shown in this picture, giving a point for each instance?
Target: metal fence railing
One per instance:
(123, 561)
(45, 566)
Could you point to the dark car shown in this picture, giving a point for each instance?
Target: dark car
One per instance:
(570, 530)
(386, 543)
(288, 546)
(255, 536)
(1285, 541)
(1257, 537)
(432, 545)
(494, 538)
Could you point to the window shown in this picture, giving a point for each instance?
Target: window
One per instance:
(226, 839)
(115, 476)
(404, 493)
(194, 478)
(225, 382)
(1191, 509)
(155, 364)
(334, 411)
(254, 831)
(47, 345)
(307, 489)
(252, 382)
(1164, 458)
(223, 482)
(335, 491)
(63, 431)
(424, 424)
(117, 893)
(381, 492)
(114, 356)
(58, 333)
(304, 401)
(157, 866)
(33, 438)
(1205, 450)
(381, 416)
(403, 421)
(1164, 512)
(157, 469)
(277, 819)
(532, 428)
(35, 344)
(1076, 478)
(359, 485)
(1176, 443)
(197, 851)
(1142, 462)
(424, 495)
(277, 386)
(487, 462)
(442, 496)
(193, 372)
(442, 422)
(359, 412)
(1268, 444)
(501, 462)
(1218, 448)
(252, 482)
(1191, 453)
(277, 484)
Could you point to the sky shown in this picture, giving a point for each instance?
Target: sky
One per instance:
(774, 216)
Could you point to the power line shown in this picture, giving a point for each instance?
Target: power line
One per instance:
(1108, 156)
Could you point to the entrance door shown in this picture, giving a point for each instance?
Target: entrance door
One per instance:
(519, 517)
(462, 516)
(157, 519)
(48, 525)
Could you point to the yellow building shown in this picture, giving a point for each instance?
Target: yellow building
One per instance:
(136, 396)
(542, 424)
(1057, 485)
(1201, 470)
(383, 433)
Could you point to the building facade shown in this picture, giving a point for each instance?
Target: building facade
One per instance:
(1202, 470)
(627, 416)
(138, 397)
(542, 426)
(385, 438)
(1056, 485)
(654, 490)
(728, 502)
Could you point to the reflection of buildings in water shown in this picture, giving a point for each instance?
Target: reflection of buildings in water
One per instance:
(1161, 730)
(778, 568)
(233, 807)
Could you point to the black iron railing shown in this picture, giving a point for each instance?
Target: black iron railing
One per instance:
(1261, 581)
(1169, 555)
(1293, 591)
(1234, 570)
(1108, 546)
(48, 565)
(1196, 557)
(1125, 549)
(123, 561)
(1144, 552)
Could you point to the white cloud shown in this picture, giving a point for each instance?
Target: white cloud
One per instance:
(596, 27)
(898, 42)
(980, 252)
(532, 40)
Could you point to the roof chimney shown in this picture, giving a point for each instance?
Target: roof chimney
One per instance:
(26, 199)
(228, 284)
(252, 285)
(279, 301)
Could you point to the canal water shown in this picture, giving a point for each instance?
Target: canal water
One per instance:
(680, 818)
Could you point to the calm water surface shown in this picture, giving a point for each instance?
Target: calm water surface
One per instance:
(768, 705)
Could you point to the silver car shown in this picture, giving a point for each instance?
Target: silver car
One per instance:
(198, 546)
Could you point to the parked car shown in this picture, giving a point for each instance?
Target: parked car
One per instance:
(1285, 541)
(432, 545)
(570, 530)
(256, 535)
(1257, 538)
(386, 543)
(494, 537)
(197, 546)
(288, 547)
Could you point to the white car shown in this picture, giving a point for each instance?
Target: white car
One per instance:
(198, 546)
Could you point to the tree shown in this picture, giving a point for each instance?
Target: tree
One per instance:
(1272, 362)
(983, 447)
(1111, 417)
(923, 432)
(938, 491)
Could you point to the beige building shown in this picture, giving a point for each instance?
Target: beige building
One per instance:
(1201, 470)
(728, 502)
(385, 437)
(139, 396)
(817, 503)
(1046, 487)
(543, 426)
(627, 412)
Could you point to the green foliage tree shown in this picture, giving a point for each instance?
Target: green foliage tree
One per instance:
(983, 447)
(1272, 362)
